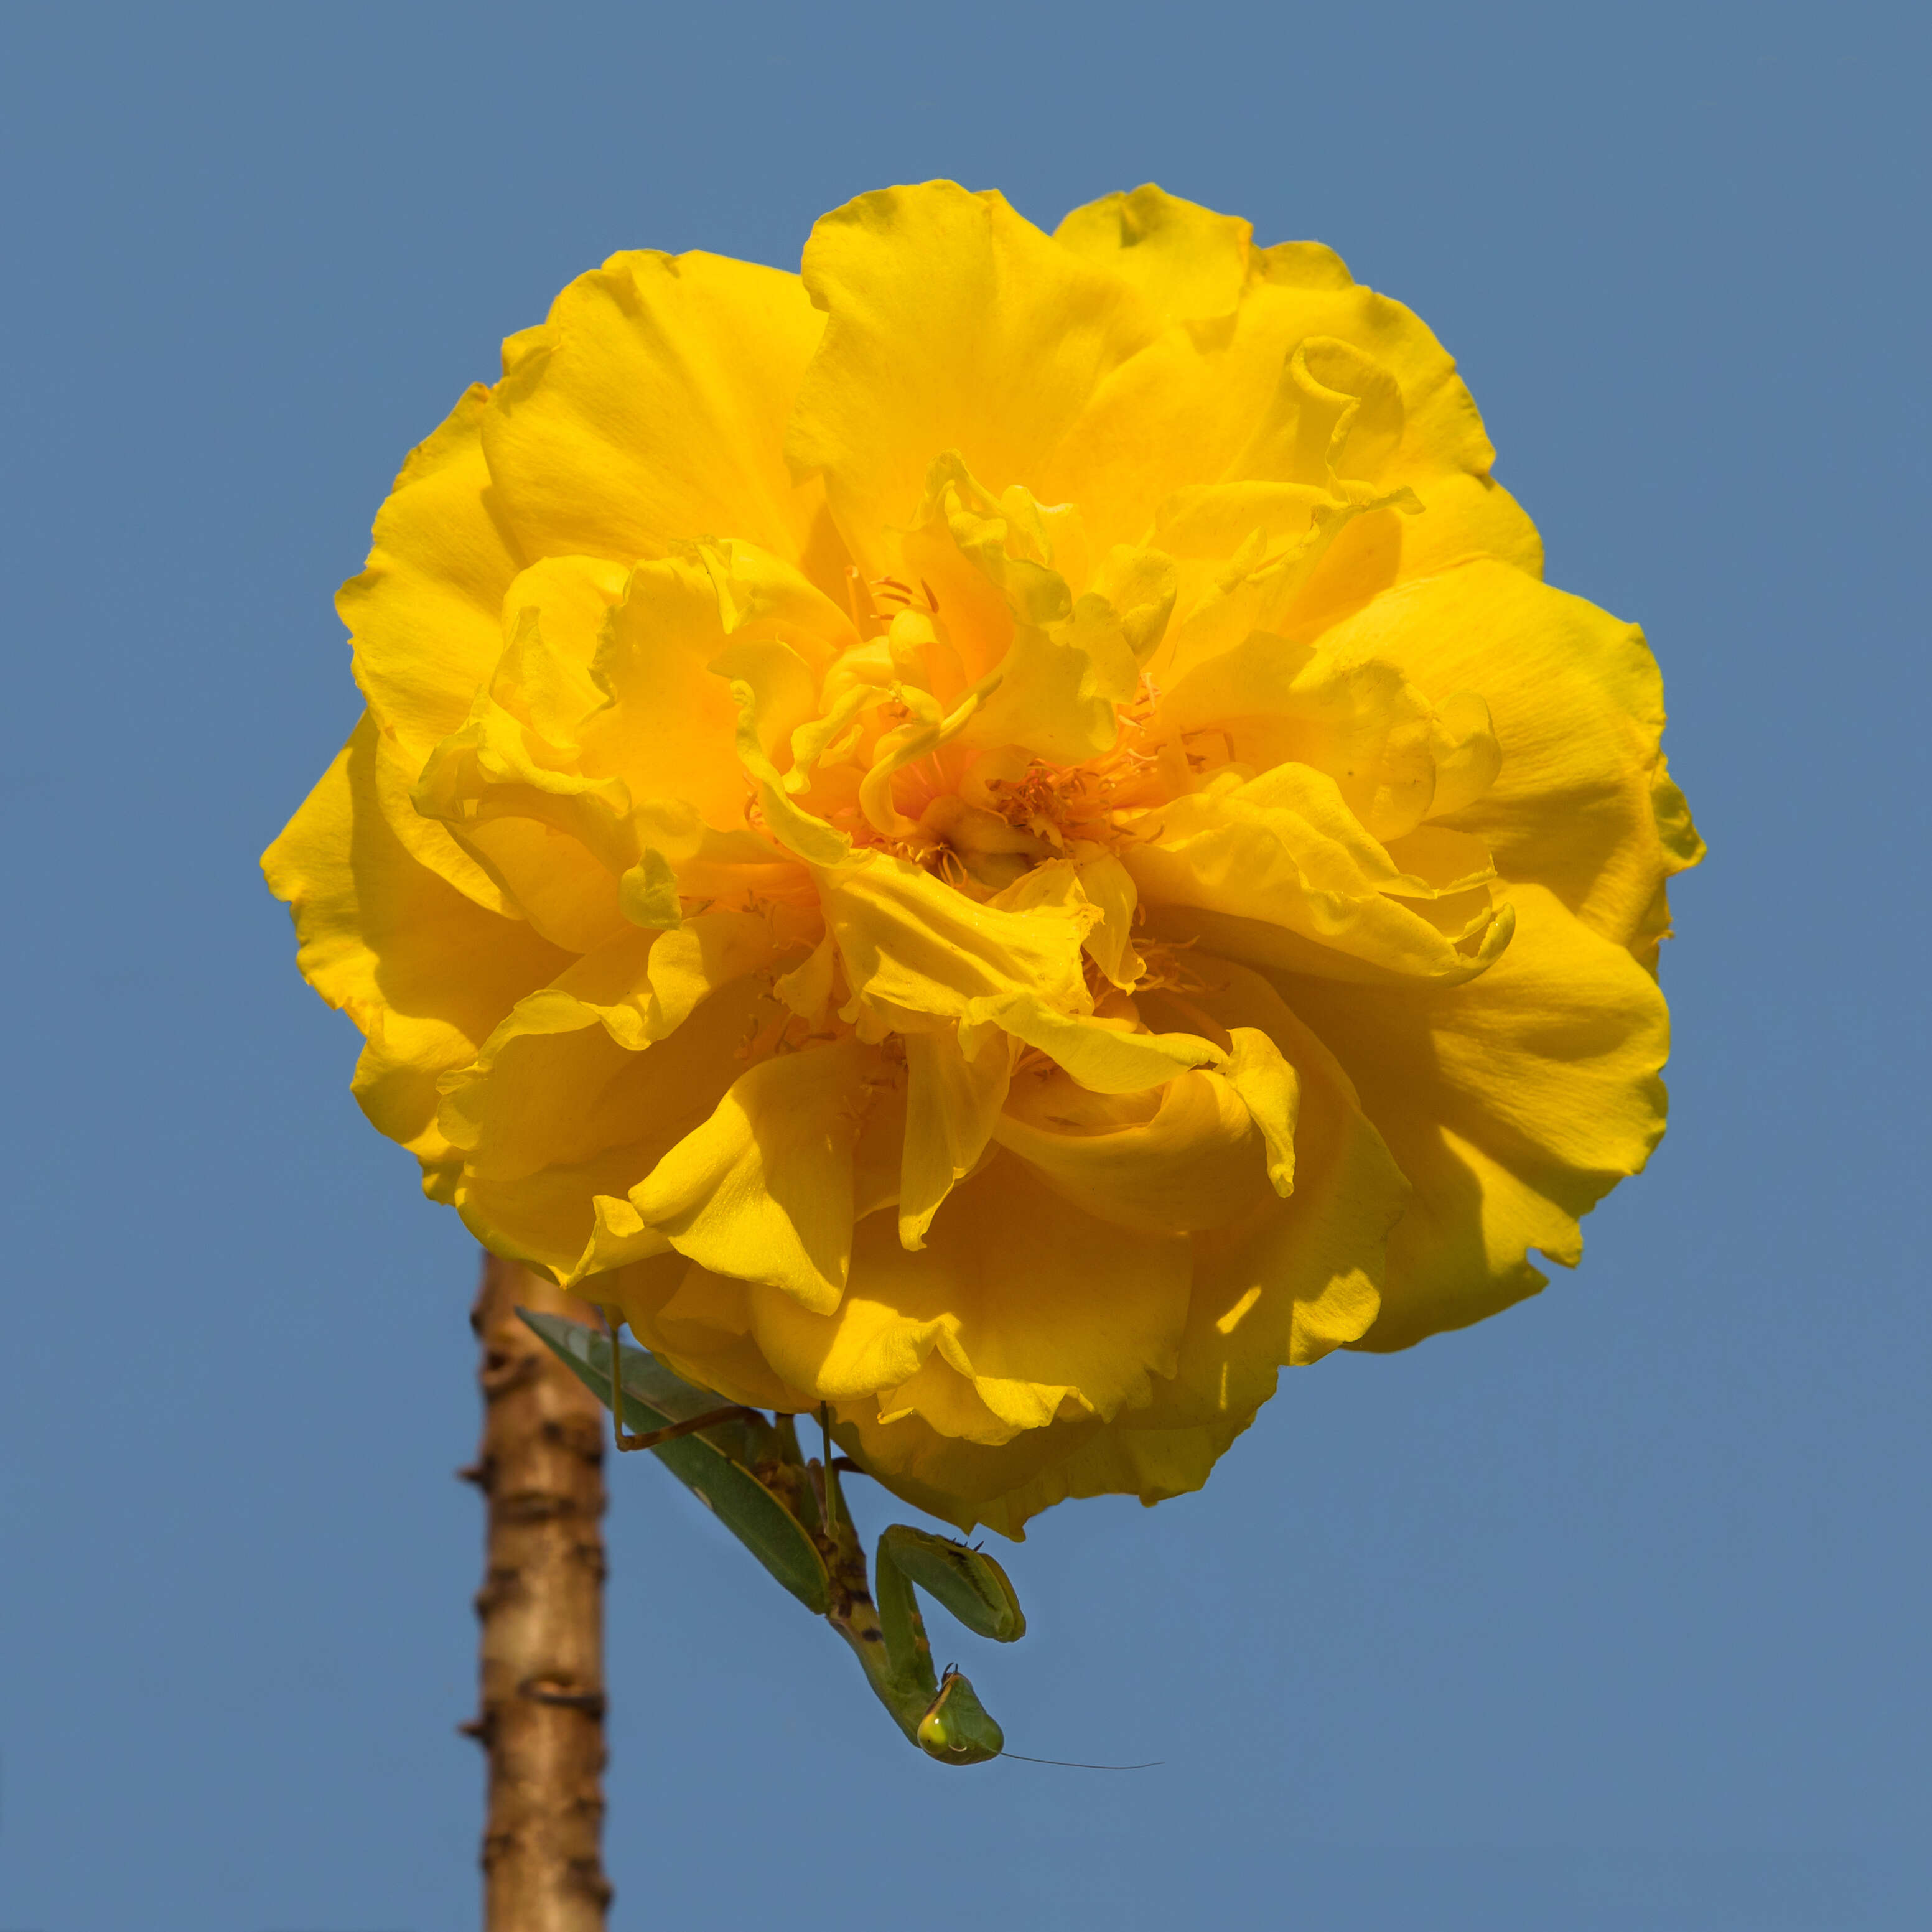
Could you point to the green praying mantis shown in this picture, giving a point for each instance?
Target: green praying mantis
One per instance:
(747, 1468)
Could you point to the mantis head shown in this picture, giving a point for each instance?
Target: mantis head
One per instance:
(956, 1728)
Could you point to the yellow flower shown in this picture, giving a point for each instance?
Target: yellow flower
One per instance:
(1003, 834)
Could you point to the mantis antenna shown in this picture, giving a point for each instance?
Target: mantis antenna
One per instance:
(1067, 1764)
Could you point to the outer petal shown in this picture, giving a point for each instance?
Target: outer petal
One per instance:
(700, 1323)
(1283, 854)
(613, 703)
(1198, 1161)
(1152, 1464)
(953, 1105)
(1581, 804)
(1300, 1277)
(952, 324)
(763, 1191)
(1210, 403)
(651, 407)
(426, 614)
(1395, 759)
(423, 971)
(1033, 1303)
(964, 1483)
(1297, 1279)
(1513, 1104)
(557, 1111)
(507, 784)
(1187, 262)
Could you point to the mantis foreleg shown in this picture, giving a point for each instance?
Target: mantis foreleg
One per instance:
(942, 1714)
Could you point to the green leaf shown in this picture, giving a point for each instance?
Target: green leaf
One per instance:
(653, 1397)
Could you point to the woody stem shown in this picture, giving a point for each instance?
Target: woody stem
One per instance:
(541, 1608)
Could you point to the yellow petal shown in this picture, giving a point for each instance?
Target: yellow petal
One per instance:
(1213, 521)
(1060, 686)
(554, 840)
(1682, 847)
(1301, 1276)
(952, 1105)
(1272, 1094)
(1105, 1055)
(1003, 535)
(961, 1481)
(511, 785)
(1141, 585)
(426, 614)
(1284, 852)
(1512, 1104)
(1034, 1302)
(1395, 757)
(807, 987)
(801, 833)
(1107, 884)
(762, 597)
(911, 944)
(423, 971)
(763, 1190)
(951, 323)
(1336, 412)
(553, 615)
(1293, 1281)
(429, 843)
(647, 893)
(556, 1111)
(1463, 514)
(1152, 1464)
(940, 1395)
(651, 406)
(700, 1325)
(642, 986)
(1185, 412)
(1578, 709)
(1186, 261)
(1095, 884)
(1199, 1162)
(670, 728)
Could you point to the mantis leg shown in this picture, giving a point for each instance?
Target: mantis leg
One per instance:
(939, 1713)
(954, 1727)
(750, 1473)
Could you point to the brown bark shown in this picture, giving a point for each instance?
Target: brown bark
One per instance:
(542, 1609)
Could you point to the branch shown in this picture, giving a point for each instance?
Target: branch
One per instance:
(542, 1609)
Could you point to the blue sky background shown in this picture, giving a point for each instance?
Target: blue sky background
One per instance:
(1609, 1613)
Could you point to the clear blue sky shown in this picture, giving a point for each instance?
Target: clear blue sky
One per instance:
(1610, 1613)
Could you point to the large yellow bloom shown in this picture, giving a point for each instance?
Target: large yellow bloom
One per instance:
(1002, 834)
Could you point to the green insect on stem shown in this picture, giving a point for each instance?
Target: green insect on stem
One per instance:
(942, 1715)
(750, 1472)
